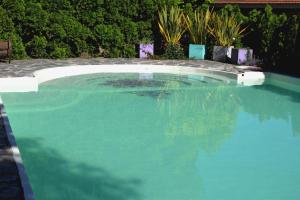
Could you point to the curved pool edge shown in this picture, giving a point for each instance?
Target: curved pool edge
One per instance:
(25, 183)
(29, 84)
(283, 81)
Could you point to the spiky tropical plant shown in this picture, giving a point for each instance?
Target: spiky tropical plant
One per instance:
(198, 24)
(225, 29)
(171, 24)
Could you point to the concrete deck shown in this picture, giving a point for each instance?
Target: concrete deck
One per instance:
(25, 68)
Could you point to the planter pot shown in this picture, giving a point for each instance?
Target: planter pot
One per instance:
(196, 51)
(221, 53)
(241, 56)
(146, 50)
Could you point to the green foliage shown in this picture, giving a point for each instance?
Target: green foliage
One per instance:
(198, 25)
(7, 31)
(144, 32)
(273, 36)
(110, 40)
(15, 9)
(225, 28)
(58, 50)
(36, 48)
(267, 24)
(72, 32)
(6, 23)
(131, 30)
(56, 5)
(72, 27)
(174, 51)
(113, 28)
(171, 24)
(59, 53)
(89, 12)
(19, 51)
(235, 11)
(35, 21)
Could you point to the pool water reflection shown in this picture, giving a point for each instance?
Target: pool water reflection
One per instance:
(117, 136)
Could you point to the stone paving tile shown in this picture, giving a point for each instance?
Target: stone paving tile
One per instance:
(20, 68)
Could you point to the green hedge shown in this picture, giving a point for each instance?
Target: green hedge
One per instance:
(275, 37)
(70, 28)
(113, 28)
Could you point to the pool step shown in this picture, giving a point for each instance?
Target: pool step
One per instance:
(250, 78)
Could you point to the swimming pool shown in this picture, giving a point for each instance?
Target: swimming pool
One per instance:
(158, 137)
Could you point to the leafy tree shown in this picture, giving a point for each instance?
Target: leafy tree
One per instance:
(15, 9)
(57, 5)
(70, 31)
(89, 12)
(110, 40)
(36, 48)
(113, 28)
(265, 26)
(7, 31)
(35, 21)
(19, 51)
(6, 23)
(59, 52)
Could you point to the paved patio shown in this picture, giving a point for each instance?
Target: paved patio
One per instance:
(25, 68)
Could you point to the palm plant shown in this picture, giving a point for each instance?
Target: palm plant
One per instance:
(198, 25)
(171, 24)
(225, 29)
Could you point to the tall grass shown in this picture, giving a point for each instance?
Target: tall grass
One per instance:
(198, 25)
(225, 29)
(171, 24)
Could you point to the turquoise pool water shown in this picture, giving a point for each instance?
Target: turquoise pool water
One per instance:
(158, 137)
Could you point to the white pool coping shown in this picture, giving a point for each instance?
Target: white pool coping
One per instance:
(26, 187)
(31, 84)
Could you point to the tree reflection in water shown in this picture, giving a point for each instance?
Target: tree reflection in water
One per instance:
(270, 101)
(207, 113)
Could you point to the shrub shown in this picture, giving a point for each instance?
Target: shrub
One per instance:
(36, 48)
(70, 28)
(57, 5)
(144, 32)
(174, 51)
(15, 9)
(35, 21)
(19, 51)
(110, 40)
(58, 50)
(59, 53)
(271, 35)
(6, 23)
(89, 12)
